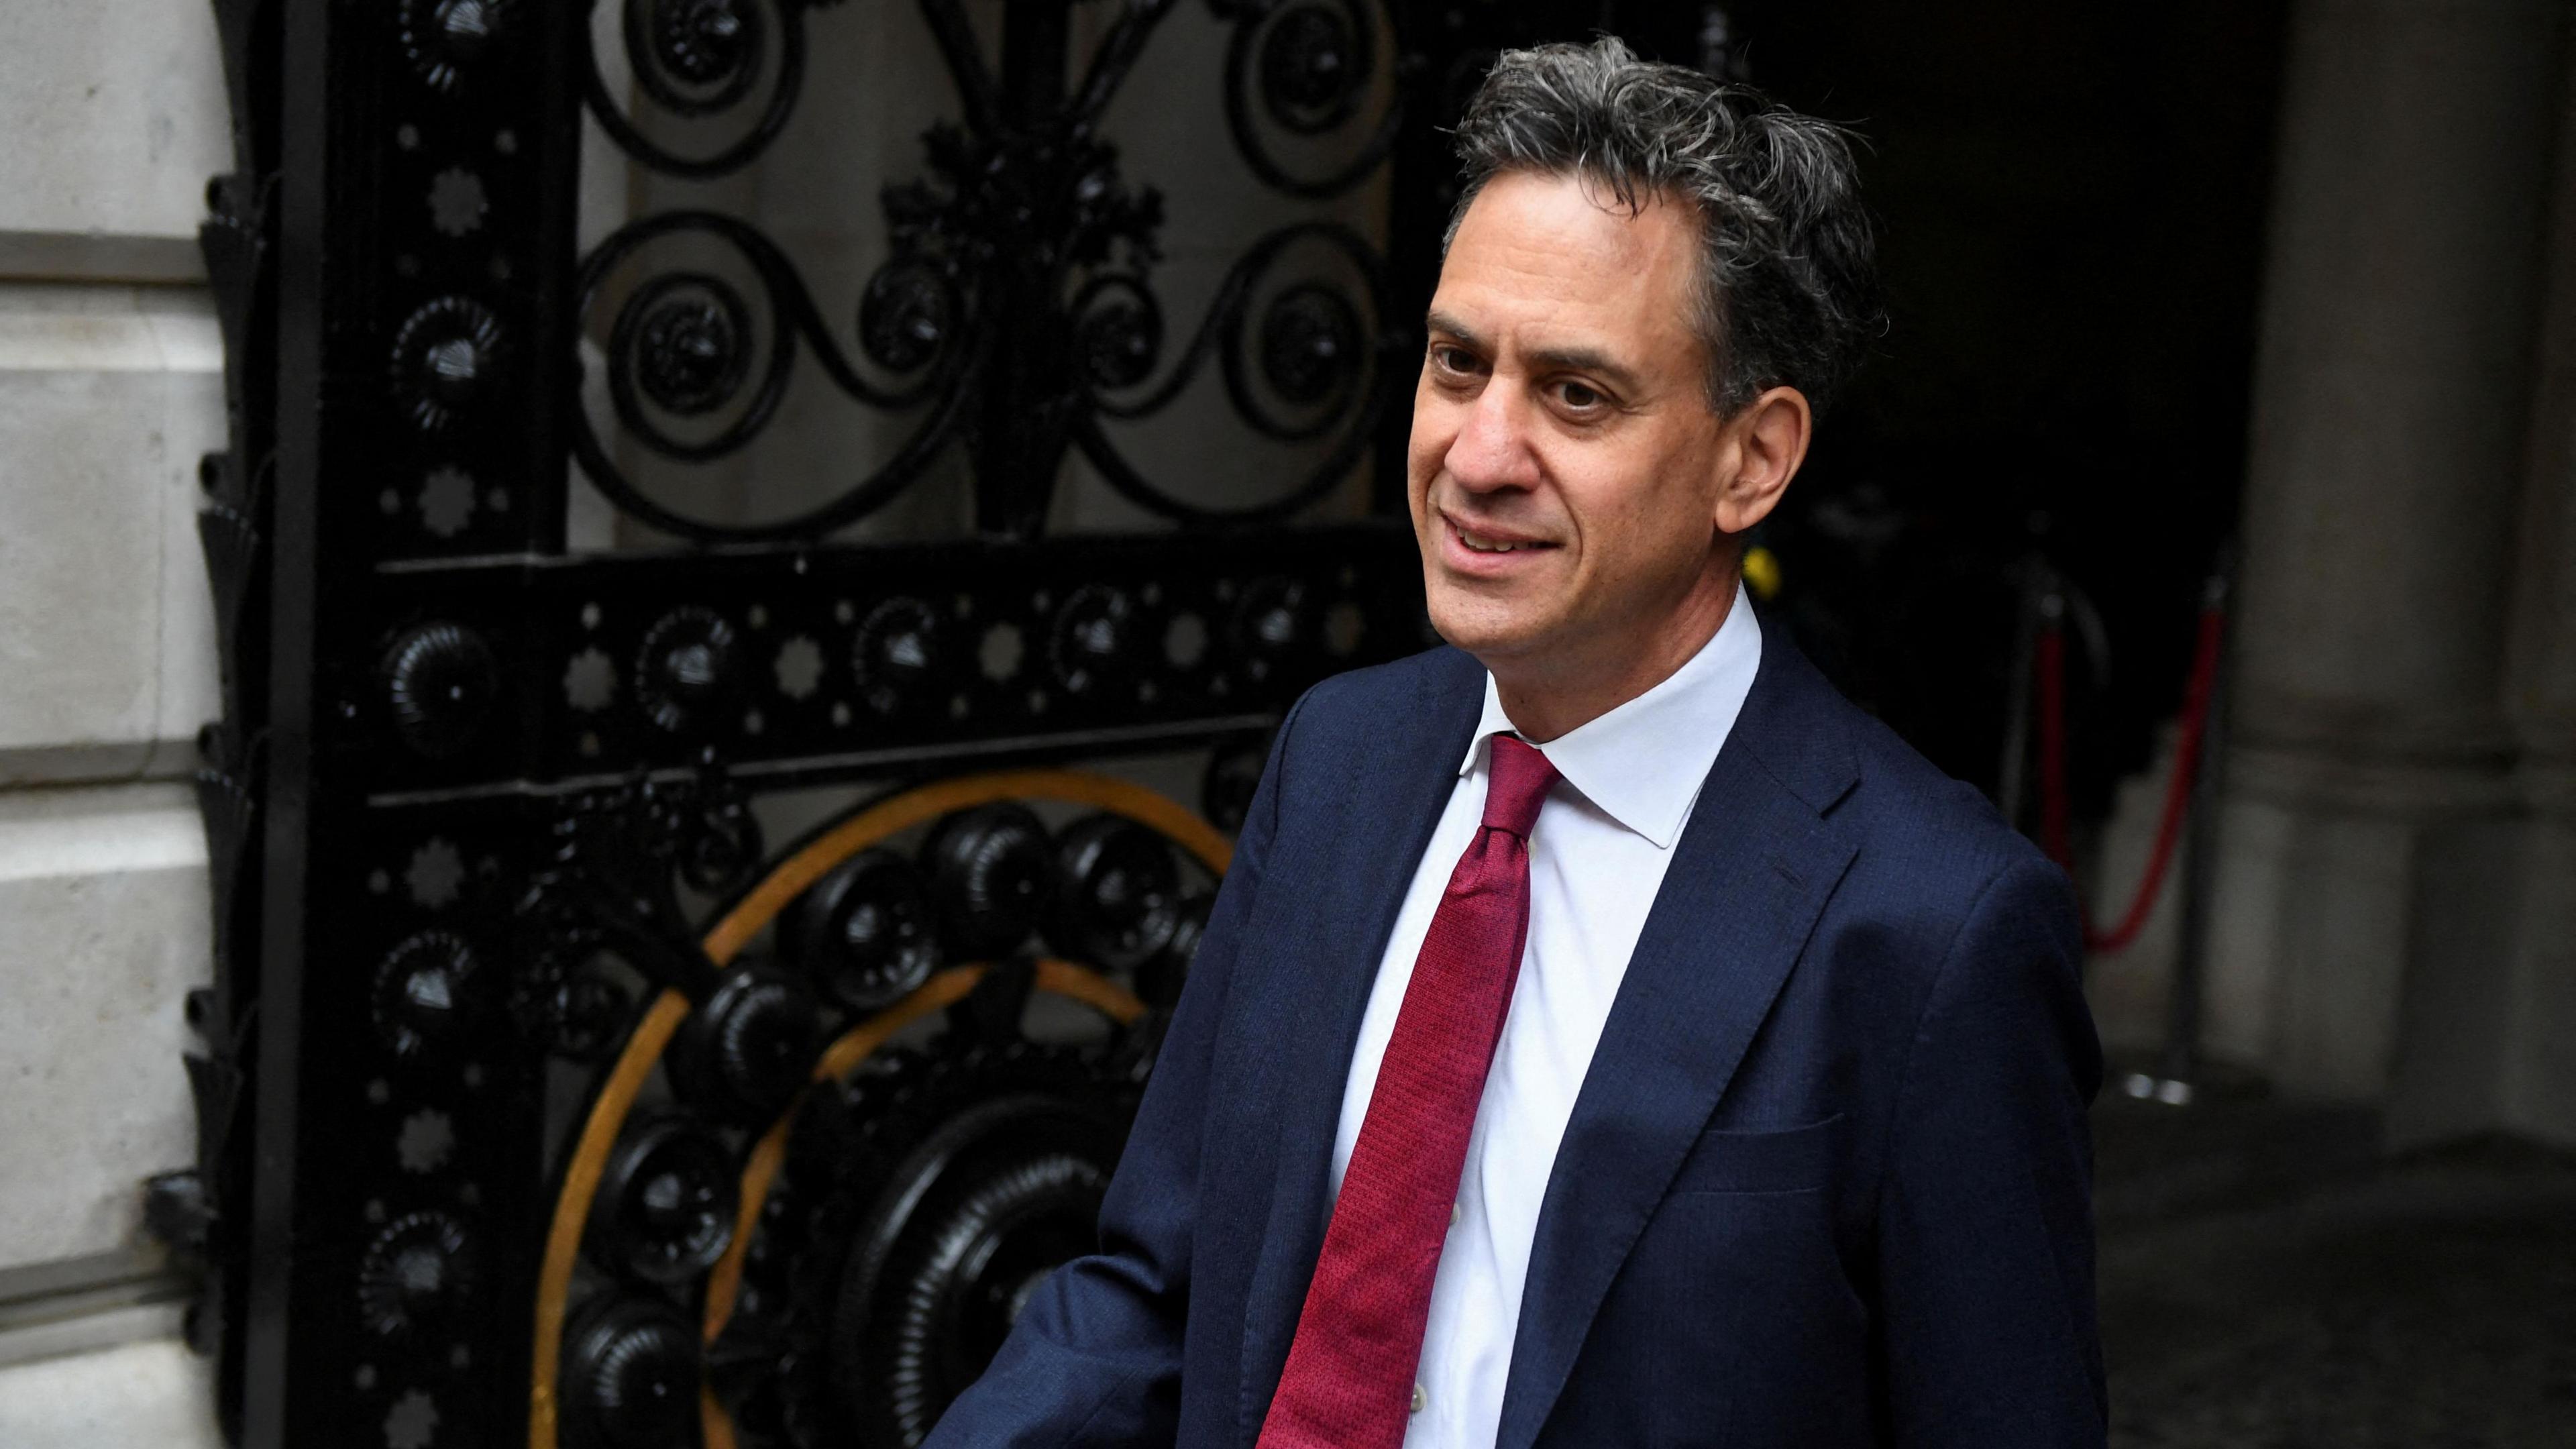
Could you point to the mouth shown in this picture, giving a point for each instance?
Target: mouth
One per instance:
(1483, 547)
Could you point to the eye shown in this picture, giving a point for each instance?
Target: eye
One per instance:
(1451, 358)
(1582, 397)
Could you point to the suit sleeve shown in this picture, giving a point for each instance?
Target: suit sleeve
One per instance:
(1985, 1231)
(1095, 1357)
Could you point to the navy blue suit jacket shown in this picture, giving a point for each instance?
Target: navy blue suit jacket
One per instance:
(1827, 1182)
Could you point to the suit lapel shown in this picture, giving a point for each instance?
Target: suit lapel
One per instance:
(1753, 870)
(1339, 906)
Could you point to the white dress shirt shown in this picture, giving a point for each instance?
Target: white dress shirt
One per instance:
(1597, 855)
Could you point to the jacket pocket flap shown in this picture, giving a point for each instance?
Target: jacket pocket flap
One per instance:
(1792, 1159)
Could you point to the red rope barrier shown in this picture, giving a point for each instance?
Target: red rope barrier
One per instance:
(2054, 803)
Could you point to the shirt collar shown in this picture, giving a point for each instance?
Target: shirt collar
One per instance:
(1642, 763)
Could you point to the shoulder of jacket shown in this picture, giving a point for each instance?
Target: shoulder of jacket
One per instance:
(1940, 834)
(1359, 701)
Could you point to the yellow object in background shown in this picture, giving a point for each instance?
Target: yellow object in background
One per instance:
(1762, 573)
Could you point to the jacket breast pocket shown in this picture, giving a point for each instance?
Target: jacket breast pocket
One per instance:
(1792, 1159)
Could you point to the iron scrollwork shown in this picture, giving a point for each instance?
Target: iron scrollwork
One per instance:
(613, 886)
(683, 341)
(1309, 62)
(699, 59)
(1310, 346)
(1016, 311)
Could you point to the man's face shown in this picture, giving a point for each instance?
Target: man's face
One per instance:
(1565, 468)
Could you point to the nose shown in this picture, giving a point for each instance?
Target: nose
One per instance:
(1492, 450)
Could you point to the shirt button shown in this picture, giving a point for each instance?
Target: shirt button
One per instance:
(1419, 1399)
(1456, 1212)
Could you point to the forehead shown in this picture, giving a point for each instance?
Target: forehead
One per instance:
(1550, 261)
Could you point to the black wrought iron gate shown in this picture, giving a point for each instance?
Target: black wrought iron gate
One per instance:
(543, 1099)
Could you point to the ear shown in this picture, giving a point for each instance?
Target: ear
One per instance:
(1768, 440)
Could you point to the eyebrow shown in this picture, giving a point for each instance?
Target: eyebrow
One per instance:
(1440, 321)
(1572, 359)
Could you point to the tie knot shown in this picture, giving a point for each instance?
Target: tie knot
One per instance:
(1516, 781)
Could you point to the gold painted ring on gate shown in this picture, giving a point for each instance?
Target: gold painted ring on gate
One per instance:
(872, 825)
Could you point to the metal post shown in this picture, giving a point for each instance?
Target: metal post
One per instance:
(1027, 408)
(2179, 1066)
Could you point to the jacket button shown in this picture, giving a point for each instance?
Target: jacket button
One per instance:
(1419, 1399)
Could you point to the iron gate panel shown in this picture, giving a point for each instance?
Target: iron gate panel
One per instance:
(486, 813)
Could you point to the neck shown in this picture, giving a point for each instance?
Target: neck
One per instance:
(1547, 700)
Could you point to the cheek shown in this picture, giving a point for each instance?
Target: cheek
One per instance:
(1631, 518)
(1435, 428)
(1607, 502)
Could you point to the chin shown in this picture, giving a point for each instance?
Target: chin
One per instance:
(1482, 629)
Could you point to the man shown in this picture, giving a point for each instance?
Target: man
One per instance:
(1607, 1035)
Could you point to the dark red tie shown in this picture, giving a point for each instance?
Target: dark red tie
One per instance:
(1349, 1380)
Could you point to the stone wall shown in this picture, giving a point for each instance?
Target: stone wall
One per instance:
(110, 388)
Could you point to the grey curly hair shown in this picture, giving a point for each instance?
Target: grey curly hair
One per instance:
(1787, 295)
